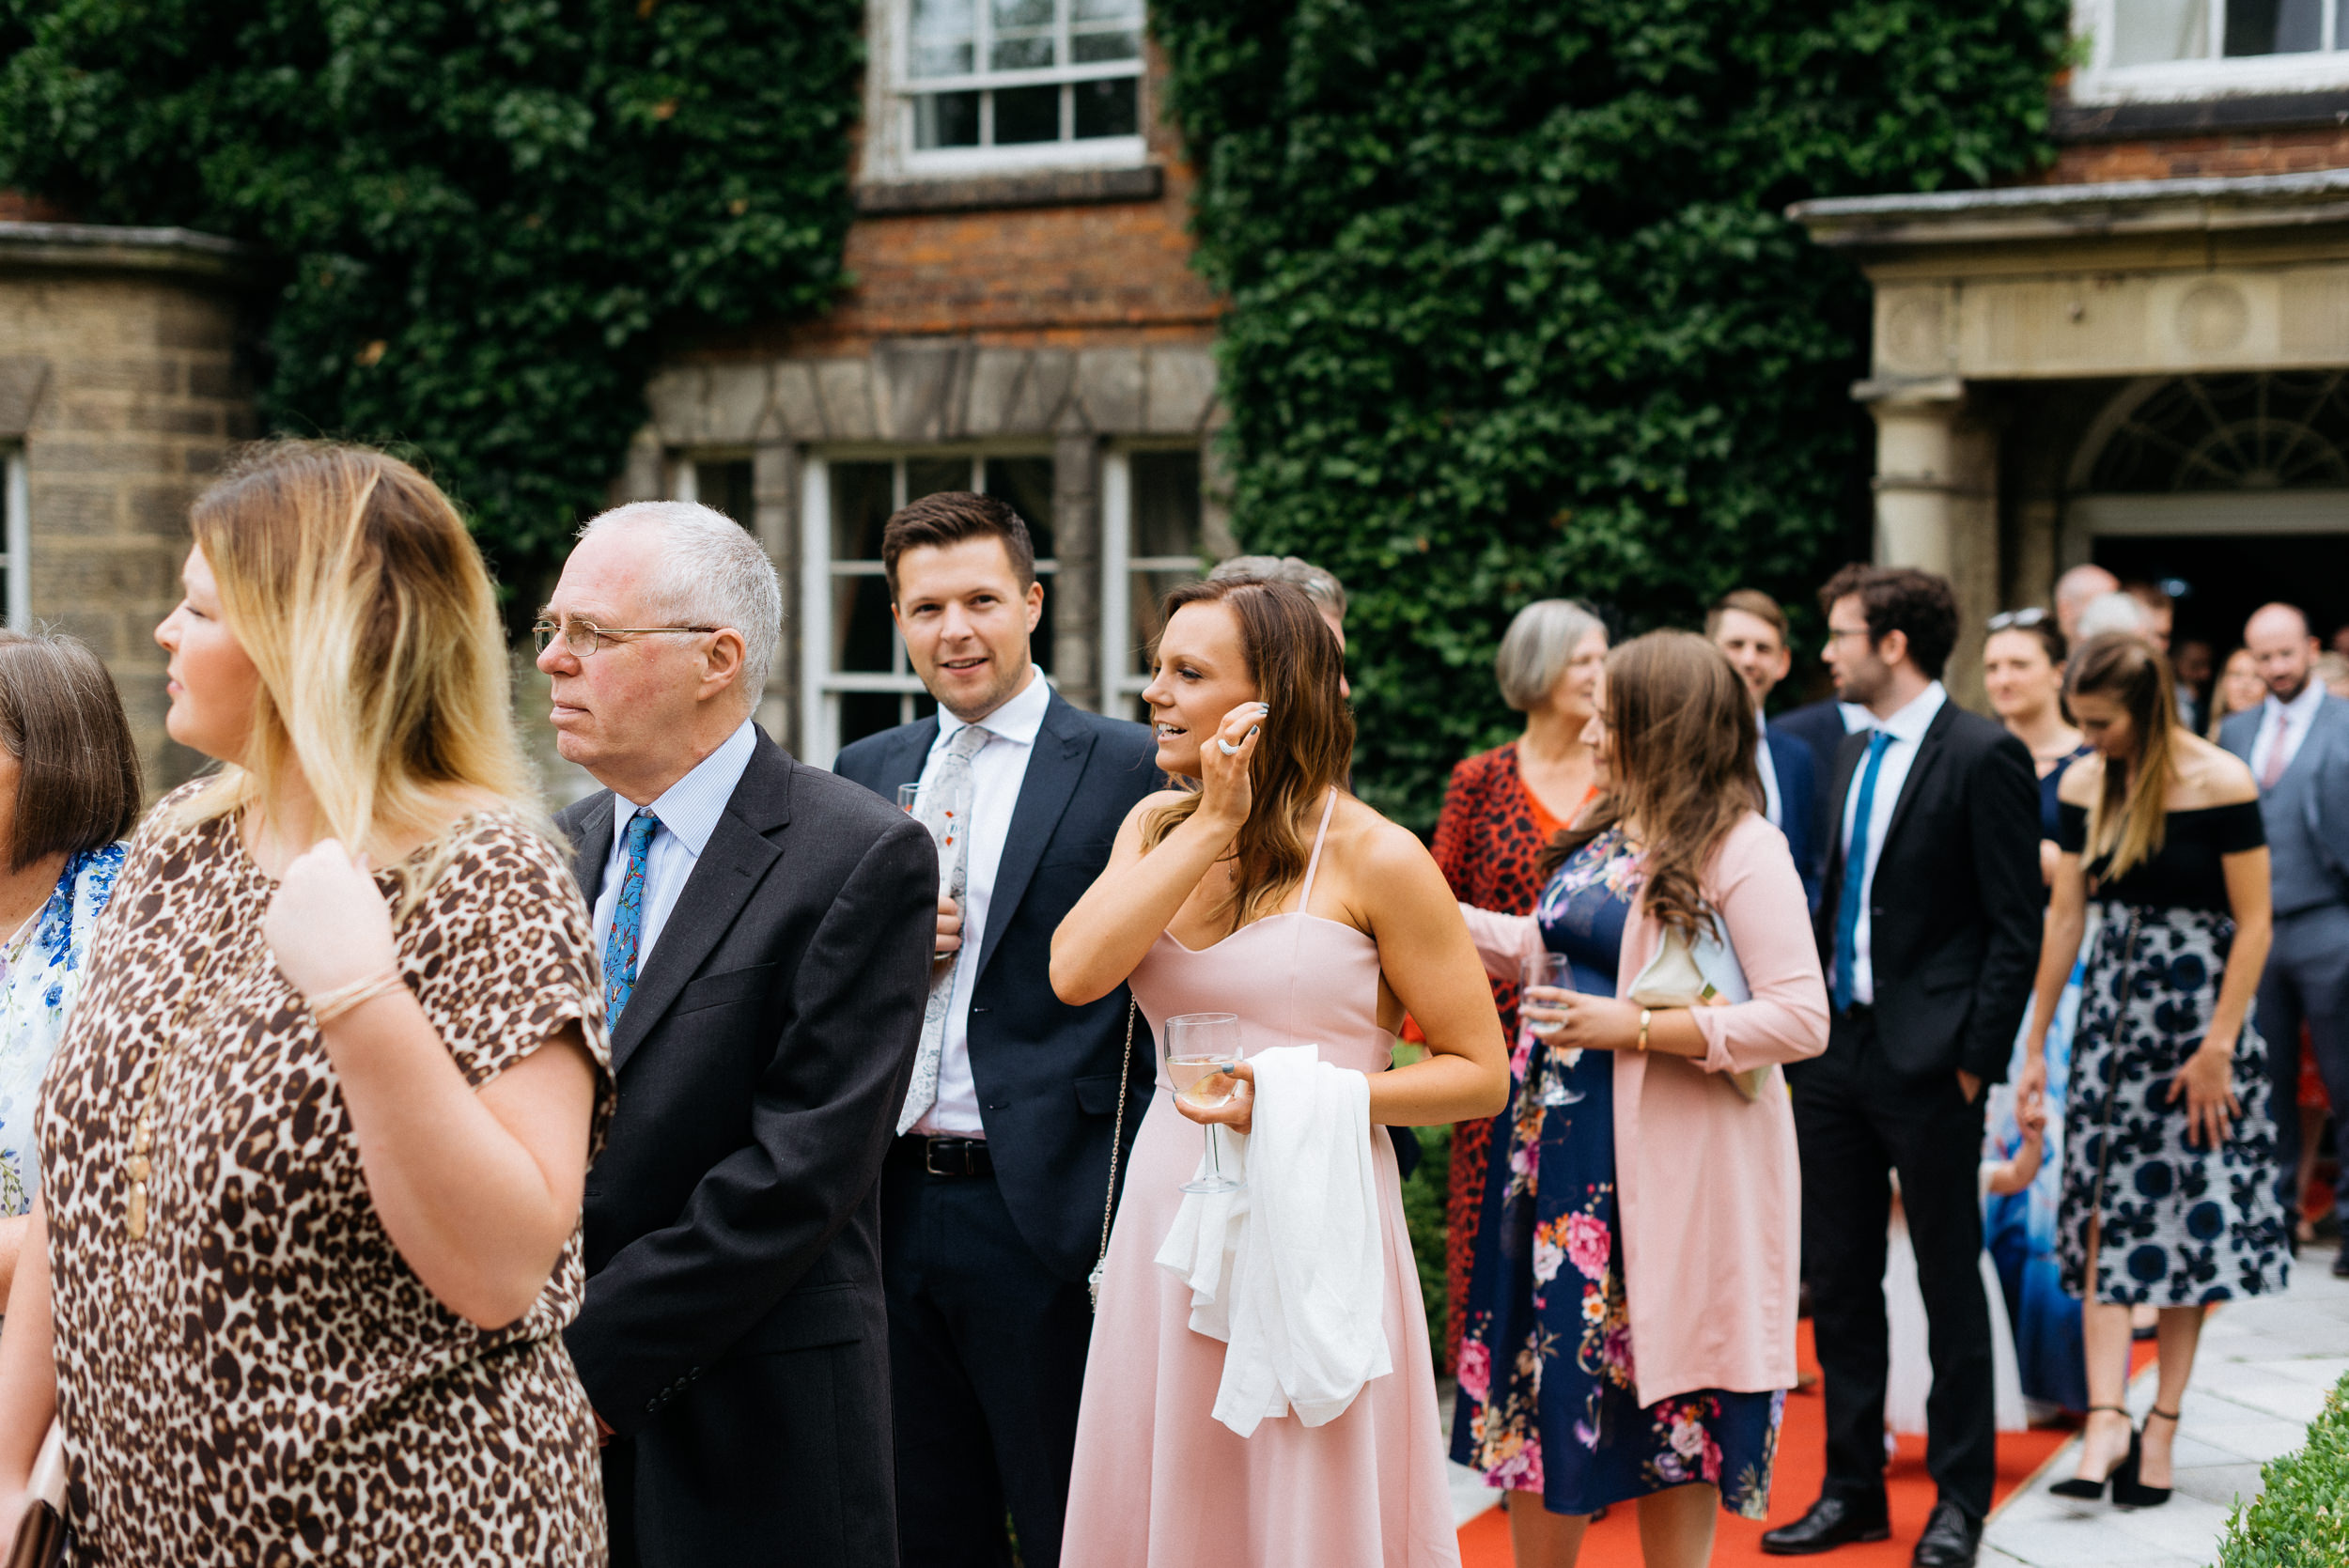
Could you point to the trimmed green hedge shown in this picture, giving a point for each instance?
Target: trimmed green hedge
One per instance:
(2301, 1516)
(490, 214)
(1515, 310)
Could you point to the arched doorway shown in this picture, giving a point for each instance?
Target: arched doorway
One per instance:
(2232, 488)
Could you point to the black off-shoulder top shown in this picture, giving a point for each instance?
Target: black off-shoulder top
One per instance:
(2185, 873)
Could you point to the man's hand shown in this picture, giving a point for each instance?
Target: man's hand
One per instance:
(603, 1431)
(1968, 1085)
(949, 926)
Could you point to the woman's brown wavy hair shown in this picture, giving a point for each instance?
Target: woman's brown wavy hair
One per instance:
(1308, 741)
(1680, 763)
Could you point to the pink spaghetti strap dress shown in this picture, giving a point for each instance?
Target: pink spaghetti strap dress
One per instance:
(1159, 1482)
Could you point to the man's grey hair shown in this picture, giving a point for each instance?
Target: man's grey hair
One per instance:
(712, 572)
(1320, 585)
(2114, 612)
(1538, 646)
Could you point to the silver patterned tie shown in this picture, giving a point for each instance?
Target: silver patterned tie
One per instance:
(945, 812)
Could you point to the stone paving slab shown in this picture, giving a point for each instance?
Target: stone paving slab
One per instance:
(2262, 1374)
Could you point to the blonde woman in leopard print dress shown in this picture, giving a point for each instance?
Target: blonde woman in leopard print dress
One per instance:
(312, 1147)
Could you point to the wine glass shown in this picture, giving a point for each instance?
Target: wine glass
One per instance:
(1548, 982)
(1201, 1051)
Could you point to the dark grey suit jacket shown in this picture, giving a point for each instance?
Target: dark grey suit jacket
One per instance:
(732, 1219)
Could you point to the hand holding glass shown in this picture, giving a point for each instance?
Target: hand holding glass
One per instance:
(1201, 1051)
(945, 824)
(1546, 982)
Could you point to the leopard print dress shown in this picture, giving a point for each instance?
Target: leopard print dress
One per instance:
(263, 1380)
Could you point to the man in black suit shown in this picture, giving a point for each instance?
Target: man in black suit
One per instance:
(1750, 628)
(766, 930)
(1929, 931)
(997, 1189)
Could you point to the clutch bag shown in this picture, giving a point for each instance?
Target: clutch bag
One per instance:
(1686, 975)
(41, 1534)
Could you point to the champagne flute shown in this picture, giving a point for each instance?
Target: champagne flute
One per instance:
(1546, 981)
(946, 825)
(1201, 1051)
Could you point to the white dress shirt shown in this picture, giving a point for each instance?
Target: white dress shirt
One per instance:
(1773, 808)
(998, 769)
(1908, 729)
(2285, 724)
(688, 812)
(1856, 717)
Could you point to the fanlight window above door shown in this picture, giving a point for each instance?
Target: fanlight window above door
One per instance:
(2283, 431)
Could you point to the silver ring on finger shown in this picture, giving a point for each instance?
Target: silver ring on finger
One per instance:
(1226, 747)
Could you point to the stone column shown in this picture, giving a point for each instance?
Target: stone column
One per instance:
(775, 497)
(1074, 598)
(1938, 503)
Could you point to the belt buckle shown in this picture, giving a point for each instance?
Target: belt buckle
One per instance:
(930, 1157)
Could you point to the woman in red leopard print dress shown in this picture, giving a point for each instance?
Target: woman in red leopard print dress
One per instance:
(1502, 807)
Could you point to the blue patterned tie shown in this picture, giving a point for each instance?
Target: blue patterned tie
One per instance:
(1856, 872)
(628, 921)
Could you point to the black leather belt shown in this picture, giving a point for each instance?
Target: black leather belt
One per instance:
(945, 1157)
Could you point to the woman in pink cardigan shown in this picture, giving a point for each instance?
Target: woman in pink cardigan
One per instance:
(1631, 1315)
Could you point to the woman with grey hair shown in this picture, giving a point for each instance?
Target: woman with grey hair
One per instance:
(1502, 809)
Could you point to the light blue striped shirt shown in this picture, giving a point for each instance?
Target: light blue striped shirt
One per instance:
(688, 812)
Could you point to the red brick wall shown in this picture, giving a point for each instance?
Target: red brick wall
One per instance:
(2187, 157)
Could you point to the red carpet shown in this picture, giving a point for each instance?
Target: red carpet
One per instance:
(1614, 1541)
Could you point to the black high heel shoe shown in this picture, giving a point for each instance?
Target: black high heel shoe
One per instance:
(2134, 1493)
(2122, 1475)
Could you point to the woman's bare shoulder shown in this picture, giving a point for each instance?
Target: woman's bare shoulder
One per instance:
(2082, 781)
(2210, 775)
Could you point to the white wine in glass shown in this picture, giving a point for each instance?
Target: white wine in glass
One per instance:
(1201, 1051)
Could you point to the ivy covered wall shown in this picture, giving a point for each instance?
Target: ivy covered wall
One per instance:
(1515, 310)
(487, 214)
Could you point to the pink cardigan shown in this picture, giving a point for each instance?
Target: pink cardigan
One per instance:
(1711, 1193)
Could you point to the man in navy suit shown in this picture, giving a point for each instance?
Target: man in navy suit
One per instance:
(2298, 745)
(994, 1194)
(1749, 627)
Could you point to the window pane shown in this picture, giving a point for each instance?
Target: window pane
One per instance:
(1108, 108)
(860, 505)
(1027, 484)
(1166, 503)
(944, 35)
(1149, 589)
(2273, 26)
(946, 119)
(861, 627)
(1027, 51)
(1027, 114)
(929, 476)
(1010, 14)
(1106, 10)
(2146, 32)
(864, 713)
(1088, 48)
(726, 488)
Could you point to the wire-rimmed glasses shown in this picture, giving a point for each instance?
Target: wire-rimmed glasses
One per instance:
(585, 639)
(1201, 1051)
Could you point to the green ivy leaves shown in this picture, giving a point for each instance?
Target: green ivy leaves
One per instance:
(491, 215)
(1515, 311)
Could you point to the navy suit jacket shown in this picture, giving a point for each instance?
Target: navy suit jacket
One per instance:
(1797, 805)
(1046, 1073)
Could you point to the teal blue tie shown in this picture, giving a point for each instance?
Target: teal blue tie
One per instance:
(627, 922)
(1856, 872)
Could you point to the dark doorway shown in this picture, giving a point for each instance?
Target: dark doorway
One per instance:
(2228, 575)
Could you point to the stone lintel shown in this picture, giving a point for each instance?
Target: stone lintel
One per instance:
(2028, 212)
(109, 248)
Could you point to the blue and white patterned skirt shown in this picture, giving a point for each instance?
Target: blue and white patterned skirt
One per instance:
(2181, 1224)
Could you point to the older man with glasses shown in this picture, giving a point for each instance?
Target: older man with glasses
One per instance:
(766, 932)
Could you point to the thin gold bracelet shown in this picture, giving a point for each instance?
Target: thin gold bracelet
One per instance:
(1644, 1016)
(343, 999)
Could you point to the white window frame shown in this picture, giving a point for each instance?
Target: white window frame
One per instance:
(891, 153)
(820, 686)
(2100, 82)
(16, 536)
(1120, 687)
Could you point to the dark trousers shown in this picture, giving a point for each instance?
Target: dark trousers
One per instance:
(986, 1350)
(2307, 982)
(771, 1461)
(1857, 1119)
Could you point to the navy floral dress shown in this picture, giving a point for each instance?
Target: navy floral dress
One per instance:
(2181, 1224)
(1546, 1400)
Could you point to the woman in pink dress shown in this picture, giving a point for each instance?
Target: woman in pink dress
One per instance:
(1263, 889)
